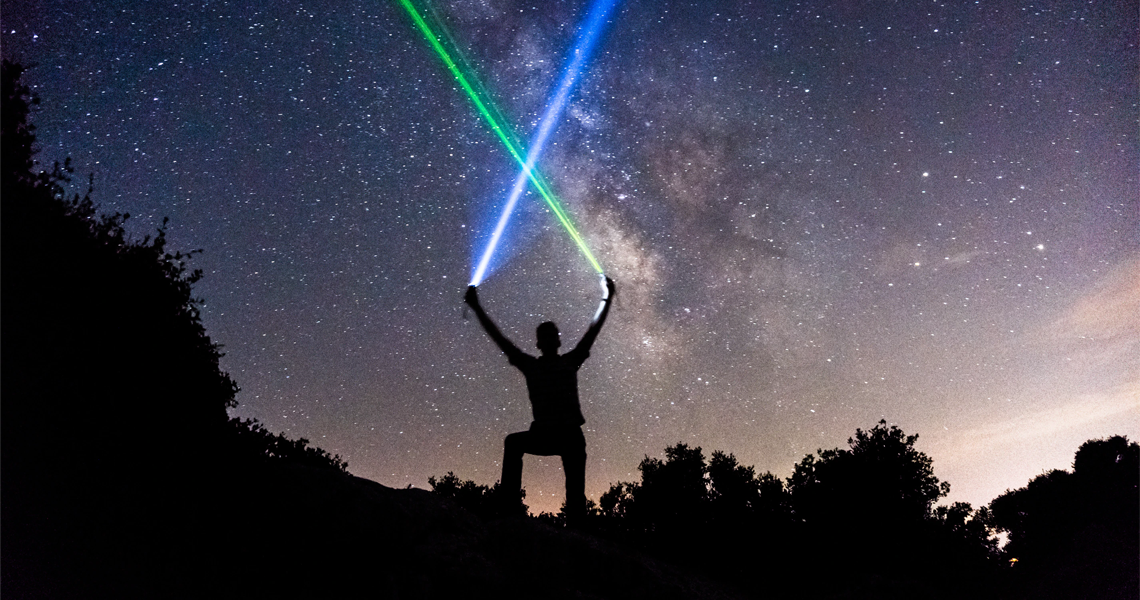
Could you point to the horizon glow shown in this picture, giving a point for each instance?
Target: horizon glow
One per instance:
(488, 112)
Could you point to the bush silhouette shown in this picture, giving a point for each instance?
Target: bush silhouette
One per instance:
(481, 500)
(249, 439)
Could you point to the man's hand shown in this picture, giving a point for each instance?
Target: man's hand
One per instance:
(471, 297)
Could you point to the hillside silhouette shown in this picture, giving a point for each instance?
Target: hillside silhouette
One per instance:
(124, 476)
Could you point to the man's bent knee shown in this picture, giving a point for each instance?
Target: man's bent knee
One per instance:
(515, 443)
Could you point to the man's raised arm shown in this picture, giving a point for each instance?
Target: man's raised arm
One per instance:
(599, 318)
(472, 300)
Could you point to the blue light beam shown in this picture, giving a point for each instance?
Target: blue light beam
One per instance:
(587, 37)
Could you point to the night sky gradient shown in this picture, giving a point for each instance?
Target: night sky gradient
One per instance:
(818, 214)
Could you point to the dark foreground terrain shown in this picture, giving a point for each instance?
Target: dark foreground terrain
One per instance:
(291, 531)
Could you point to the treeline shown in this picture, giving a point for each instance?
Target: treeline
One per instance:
(862, 522)
(865, 515)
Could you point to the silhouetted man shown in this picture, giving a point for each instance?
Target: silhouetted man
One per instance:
(552, 382)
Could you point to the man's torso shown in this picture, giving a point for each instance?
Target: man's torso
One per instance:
(552, 383)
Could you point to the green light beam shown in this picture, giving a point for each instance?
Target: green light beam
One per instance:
(502, 133)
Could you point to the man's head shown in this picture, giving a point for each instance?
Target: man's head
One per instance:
(548, 339)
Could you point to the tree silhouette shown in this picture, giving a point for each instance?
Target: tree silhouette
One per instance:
(18, 135)
(1074, 534)
(103, 338)
(671, 498)
(873, 504)
(882, 478)
(739, 521)
(734, 490)
(115, 437)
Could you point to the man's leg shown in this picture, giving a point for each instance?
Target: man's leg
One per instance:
(514, 446)
(574, 465)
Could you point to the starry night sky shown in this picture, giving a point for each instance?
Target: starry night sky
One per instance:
(818, 214)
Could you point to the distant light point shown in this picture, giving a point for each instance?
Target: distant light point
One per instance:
(925, 174)
(1040, 247)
